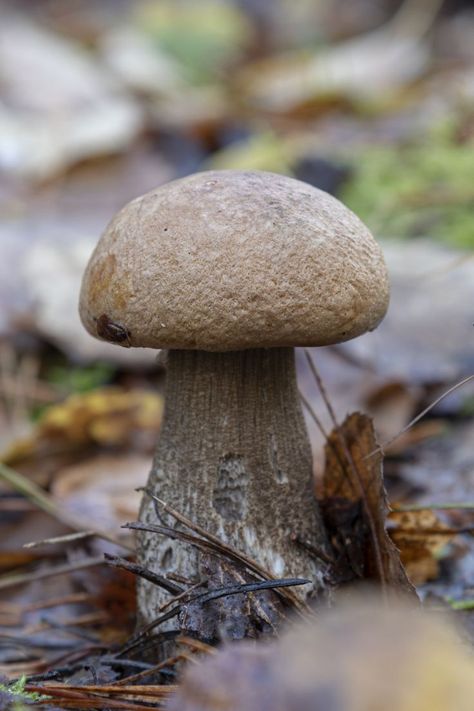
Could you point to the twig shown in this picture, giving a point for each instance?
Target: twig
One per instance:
(248, 588)
(182, 595)
(152, 670)
(61, 539)
(99, 693)
(142, 572)
(136, 639)
(196, 645)
(228, 550)
(66, 628)
(71, 599)
(314, 416)
(76, 697)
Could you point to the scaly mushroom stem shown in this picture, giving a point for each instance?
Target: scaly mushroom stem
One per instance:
(234, 457)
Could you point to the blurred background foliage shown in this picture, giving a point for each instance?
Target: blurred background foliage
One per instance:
(371, 100)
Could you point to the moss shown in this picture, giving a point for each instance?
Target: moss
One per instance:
(419, 189)
(15, 696)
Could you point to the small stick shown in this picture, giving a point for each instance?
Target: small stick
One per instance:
(146, 672)
(61, 539)
(142, 572)
(248, 588)
(196, 645)
(232, 552)
(71, 599)
(313, 414)
(182, 595)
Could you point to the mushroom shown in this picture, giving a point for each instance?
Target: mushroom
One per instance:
(230, 270)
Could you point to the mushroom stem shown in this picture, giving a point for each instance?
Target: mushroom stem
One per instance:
(233, 456)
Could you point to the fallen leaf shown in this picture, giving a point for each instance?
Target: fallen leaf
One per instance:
(420, 536)
(354, 507)
(58, 106)
(140, 62)
(392, 405)
(109, 416)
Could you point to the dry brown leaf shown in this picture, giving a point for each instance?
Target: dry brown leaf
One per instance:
(420, 536)
(355, 507)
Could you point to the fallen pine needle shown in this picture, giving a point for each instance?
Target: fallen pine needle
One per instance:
(61, 539)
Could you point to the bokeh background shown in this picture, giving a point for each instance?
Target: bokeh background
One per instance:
(371, 100)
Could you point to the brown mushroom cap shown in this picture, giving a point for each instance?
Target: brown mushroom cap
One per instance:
(228, 260)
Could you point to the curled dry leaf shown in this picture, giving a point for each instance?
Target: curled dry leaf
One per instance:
(354, 506)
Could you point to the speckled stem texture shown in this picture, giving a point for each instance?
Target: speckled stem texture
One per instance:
(234, 457)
